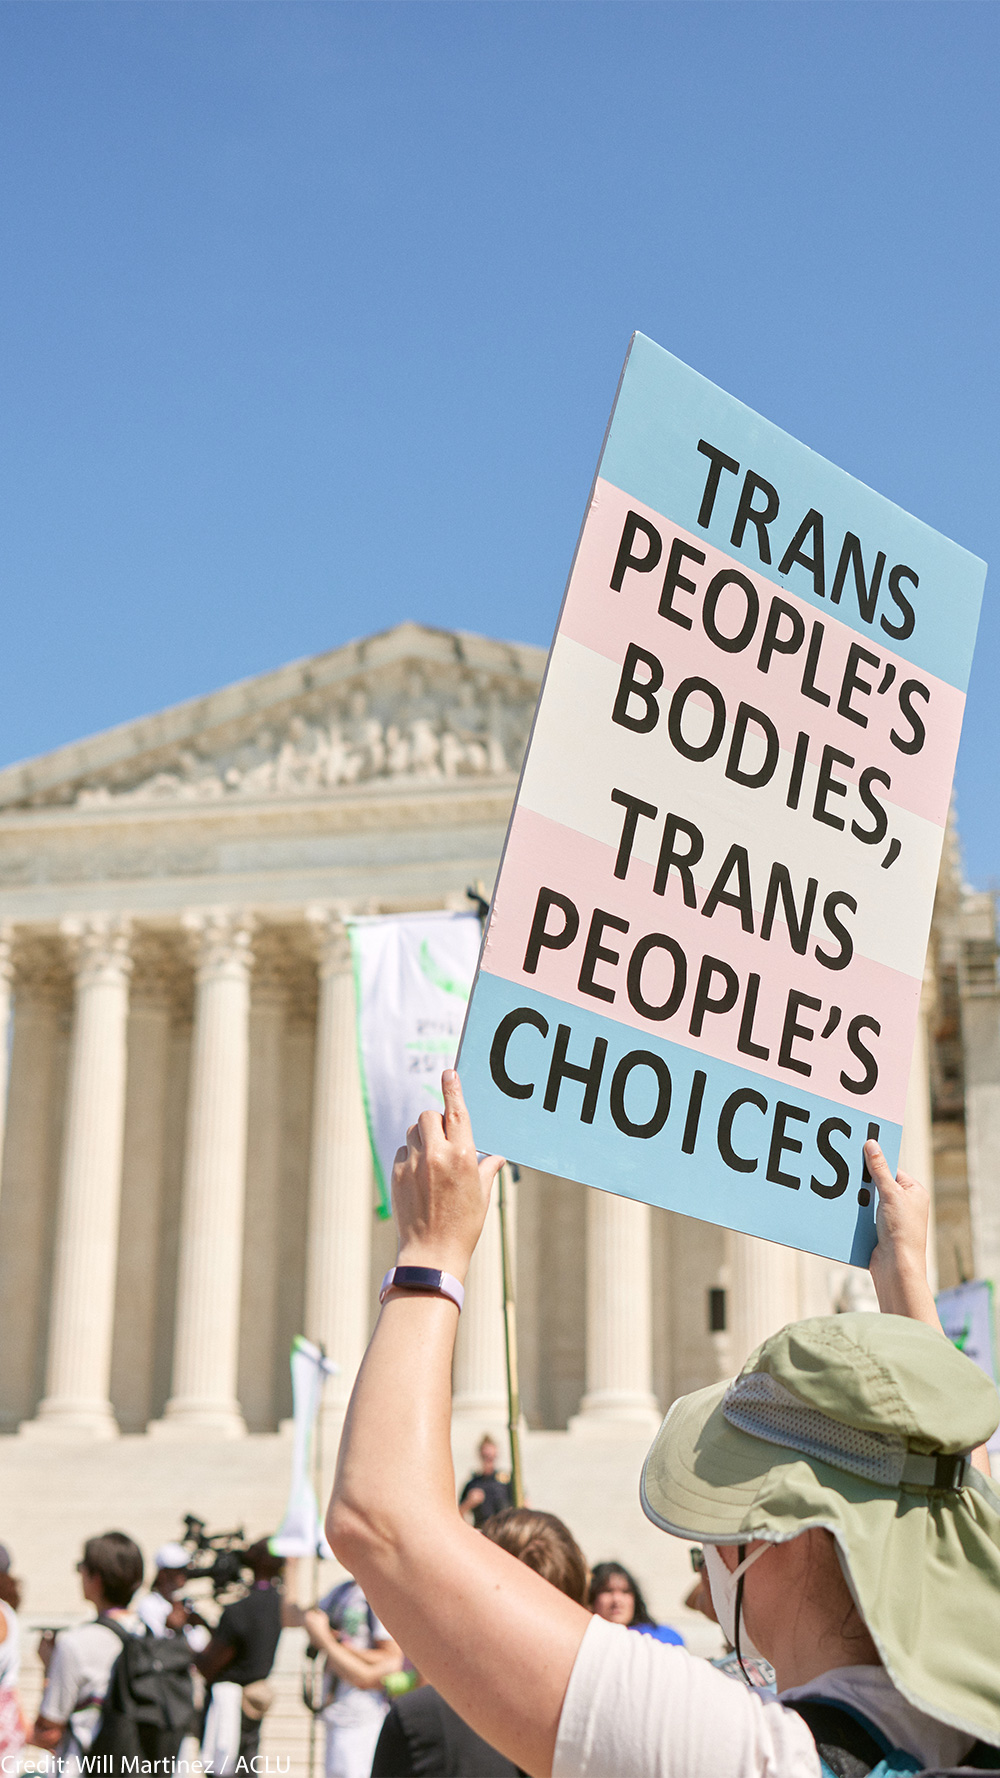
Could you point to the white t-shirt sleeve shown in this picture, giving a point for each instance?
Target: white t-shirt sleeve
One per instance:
(638, 1708)
(62, 1683)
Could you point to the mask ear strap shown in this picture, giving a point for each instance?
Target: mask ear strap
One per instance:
(741, 1552)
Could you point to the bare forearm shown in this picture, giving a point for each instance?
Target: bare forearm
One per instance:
(495, 1639)
(395, 1465)
(907, 1292)
(365, 1669)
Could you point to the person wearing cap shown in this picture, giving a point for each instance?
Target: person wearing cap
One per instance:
(850, 1538)
(162, 1612)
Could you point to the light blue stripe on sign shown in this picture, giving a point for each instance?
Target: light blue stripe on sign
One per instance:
(654, 1169)
(664, 408)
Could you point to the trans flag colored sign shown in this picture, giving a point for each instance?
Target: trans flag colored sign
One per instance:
(700, 977)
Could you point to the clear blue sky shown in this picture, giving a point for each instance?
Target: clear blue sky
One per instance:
(311, 315)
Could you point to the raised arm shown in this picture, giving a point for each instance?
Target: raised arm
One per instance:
(899, 1261)
(496, 1640)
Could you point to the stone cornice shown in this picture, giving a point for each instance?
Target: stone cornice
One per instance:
(244, 734)
(378, 802)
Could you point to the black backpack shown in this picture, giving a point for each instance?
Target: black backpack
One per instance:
(149, 1702)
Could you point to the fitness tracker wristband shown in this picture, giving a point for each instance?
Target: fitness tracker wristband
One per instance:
(422, 1278)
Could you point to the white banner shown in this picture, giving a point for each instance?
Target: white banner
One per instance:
(300, 1532)
(412, 974)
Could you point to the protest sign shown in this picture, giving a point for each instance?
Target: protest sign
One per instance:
(966, 1313)
(412, 975)
(701, 973)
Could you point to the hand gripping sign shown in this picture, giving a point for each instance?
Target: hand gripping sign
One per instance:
(700, 979)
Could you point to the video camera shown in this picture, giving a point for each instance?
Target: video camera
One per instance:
(227, 1551)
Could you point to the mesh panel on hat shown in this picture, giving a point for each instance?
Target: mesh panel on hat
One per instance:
(757, 1403)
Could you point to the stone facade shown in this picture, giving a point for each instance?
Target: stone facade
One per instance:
(186, 1181)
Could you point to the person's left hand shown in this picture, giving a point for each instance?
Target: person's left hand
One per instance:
(899, 1261)
(440, 1194)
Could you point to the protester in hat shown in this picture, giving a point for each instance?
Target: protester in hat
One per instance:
(615, 1596)
(162, 1612)
(11, 1720)
(847, 1533)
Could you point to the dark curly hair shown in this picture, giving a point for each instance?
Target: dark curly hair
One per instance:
(606, 1571)
(10, 1591)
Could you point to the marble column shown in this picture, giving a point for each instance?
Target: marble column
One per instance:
(29, 1200)
(262, 1232)
(980, 992)
(6, 1004)
(77, 1394)
(139, 1245)
(619, 1318)
(341, 1184)
(765, 1292)
(203, 1400)
(479, 1401)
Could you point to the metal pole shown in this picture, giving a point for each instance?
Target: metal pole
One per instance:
(510, 1343)
(478, 898)
(318, 1487)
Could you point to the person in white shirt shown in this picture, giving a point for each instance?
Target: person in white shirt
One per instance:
(849, 1534)
(78, 1662)
(360, 1655)
(162, 1612)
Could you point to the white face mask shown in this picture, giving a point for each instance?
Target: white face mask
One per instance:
(723, 1583)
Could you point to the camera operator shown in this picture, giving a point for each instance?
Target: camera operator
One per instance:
(162, 1611)
(237, 1661)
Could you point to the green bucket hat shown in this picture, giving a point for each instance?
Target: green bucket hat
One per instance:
(861, 1425)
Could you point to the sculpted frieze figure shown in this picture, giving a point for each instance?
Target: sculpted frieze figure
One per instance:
(468, 731)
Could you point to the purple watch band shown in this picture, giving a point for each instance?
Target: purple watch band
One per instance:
(422, 1278)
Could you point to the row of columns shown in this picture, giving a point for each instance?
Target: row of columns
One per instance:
(767, 1285)
(203, 1399)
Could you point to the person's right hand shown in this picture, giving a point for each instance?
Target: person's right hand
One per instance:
(899, 1262)
(474, 1498)
(440, 1193)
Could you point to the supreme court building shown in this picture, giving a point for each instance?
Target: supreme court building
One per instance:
(186, 1182)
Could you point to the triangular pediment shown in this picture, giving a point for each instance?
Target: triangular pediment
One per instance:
(408, 703)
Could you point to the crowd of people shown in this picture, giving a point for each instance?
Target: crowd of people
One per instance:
(213, 1689)
(145, 1674)
(836, 1497)
(837, 1493)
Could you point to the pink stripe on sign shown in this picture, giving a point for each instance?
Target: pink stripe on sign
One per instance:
(607, 621)
(540, 852)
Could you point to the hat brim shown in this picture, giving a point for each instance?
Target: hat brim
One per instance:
(923, 1566)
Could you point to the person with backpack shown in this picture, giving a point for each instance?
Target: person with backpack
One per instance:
(79, 1662)
(360, 1655)
(837, 1487)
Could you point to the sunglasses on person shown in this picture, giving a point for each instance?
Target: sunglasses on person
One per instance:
(697, 1556)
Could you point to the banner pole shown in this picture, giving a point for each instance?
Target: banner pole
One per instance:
(478, 898)
(317, 1456)
(510, 1341)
